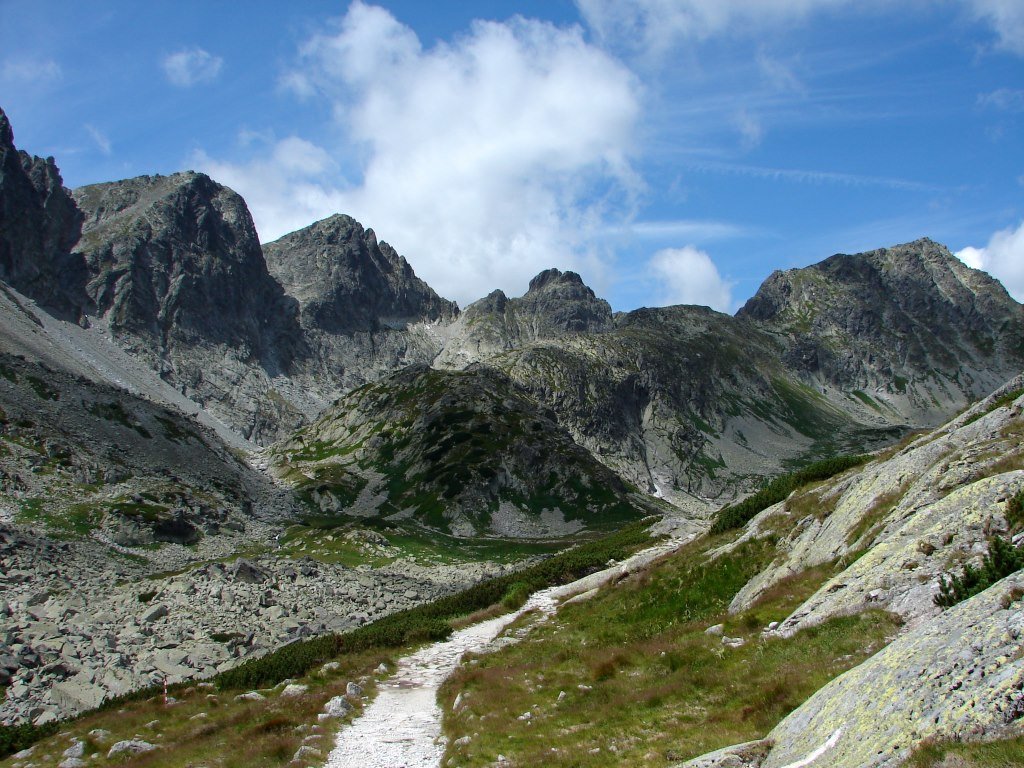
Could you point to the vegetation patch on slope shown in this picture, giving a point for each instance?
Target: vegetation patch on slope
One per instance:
(633, 676)
(737, 515)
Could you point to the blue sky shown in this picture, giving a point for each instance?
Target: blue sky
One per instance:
(671, 151)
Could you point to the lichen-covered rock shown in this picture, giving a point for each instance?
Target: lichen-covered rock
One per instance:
(918, 514)
(957, 675)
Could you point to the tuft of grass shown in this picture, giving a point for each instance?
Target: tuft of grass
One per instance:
(1001, 753)
(870, 521)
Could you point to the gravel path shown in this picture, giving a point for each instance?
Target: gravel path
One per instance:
(402, 726)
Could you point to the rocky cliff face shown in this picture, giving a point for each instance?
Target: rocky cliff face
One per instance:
(178, 276)
(909, 328)
(39, 225)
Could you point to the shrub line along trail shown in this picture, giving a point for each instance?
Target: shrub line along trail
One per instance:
(401, 728)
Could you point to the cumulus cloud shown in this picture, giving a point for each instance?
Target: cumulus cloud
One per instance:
(687, 275)
(1003, 258)
(290, 185)
(483, 160)
(30, 71)
(191, 66)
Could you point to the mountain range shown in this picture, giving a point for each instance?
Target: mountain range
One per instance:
(174, 393)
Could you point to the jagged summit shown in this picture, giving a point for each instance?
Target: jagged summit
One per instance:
(347, 281)
(39, 224)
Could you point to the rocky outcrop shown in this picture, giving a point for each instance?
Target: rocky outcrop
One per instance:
(346, 281)
(463, 452)
(39, 225)
(557, 305)
(909, 329)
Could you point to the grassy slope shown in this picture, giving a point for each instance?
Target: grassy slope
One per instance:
(643, 682)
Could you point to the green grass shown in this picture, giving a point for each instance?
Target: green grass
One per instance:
(865, 398)
(1002, 753)
(999, 402)
(205, 726)
(739, 514)
(656, 689)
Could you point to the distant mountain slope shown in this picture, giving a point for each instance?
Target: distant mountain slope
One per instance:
(464, 452)
(911, 328)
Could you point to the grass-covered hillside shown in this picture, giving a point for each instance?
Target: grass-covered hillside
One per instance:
(460, 452)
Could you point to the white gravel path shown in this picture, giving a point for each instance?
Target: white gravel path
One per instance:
(402, 726)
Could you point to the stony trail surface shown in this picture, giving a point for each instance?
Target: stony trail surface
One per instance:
(401, 728)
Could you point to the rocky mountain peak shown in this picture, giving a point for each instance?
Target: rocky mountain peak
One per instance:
(858, 321)
(554, 277)
(6, 132)
(346, 281)
(39, 224)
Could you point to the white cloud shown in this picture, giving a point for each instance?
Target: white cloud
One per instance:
(191, 66)
(1003, 258)
(687, 275)
(30, 71)
(1004, 99)
(484, 160)
(1006, 17)
(289, 186)
(101, 139)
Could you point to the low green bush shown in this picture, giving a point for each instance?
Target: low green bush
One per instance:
(739, 514)
(1001, 560)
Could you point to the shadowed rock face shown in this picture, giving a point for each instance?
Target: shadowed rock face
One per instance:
(39, 225)
(345, 281)
(176, 260)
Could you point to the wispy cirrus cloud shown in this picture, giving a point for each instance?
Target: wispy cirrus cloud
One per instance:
(815, 177)
(656, 26)
(1003, 99)
(101, 140)
(191, 66)
(30, 71)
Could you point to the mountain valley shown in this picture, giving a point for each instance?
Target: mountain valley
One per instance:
(214, 450)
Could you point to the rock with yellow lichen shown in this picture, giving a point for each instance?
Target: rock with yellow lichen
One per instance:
(957, 675)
